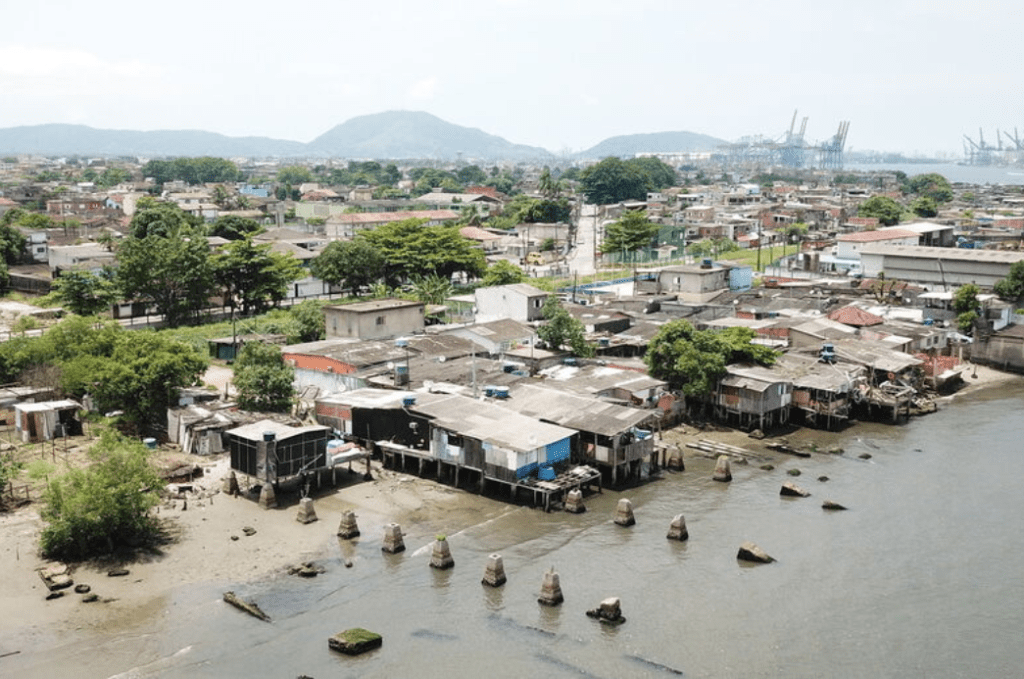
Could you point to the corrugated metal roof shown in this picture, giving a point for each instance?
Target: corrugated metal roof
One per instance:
(255, 430)
(582, 413)
(489, 422)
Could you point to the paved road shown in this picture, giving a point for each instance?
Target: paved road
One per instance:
(582, 256)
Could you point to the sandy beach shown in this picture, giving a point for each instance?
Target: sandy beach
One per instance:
(208, 545)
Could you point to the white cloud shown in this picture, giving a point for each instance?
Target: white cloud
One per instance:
(423, 89)
(22, 61)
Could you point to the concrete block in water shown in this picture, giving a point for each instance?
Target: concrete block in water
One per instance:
(355, 641)
(751, 552)
(677, 529)
(441, 556)
(609, 611)
(790, 489)
(494, 574)
(723, 472)
(574, 502)
(393, 542)
(551, 590)
(306, 512)
(348, 528)
(833, 506)
(624, 513)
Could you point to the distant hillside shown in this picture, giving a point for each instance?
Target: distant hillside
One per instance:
(57, 139)
(415, 134)
(388, 135)
(628, 145)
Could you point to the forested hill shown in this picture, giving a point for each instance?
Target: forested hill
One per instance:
(628, 145)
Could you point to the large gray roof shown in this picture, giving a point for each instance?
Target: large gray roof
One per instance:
(582, 413)
(489, 422)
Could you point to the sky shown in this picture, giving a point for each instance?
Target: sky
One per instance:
(912, 76)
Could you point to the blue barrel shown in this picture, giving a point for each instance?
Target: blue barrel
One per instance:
(546, 473)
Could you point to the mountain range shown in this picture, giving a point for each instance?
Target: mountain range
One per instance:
(387, 135)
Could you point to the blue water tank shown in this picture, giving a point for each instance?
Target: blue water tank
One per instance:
(501, 392)
(408, 401)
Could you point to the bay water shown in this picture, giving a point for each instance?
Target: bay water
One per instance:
(921, 577)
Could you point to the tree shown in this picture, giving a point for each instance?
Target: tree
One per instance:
(234, 227)
(155, 218)
(931, 185)
(563, 330)
(293, 175)
(432, 289)
(93, 509)
(12, 245)
(659, 174)
(1011, 288)
(352, 265)
(695, 360)
(883, 208)
(136, 372)
(471, 175)
(549, 187)
(967, 306)
(169, 266)
(262, 378)
(253, 276)
(84, 292)
(631, 232)
(613, 181)
(924, 206)
(412, 248)
(503, 272)
(309, 318)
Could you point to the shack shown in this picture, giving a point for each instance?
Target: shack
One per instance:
(272, 452)
(614, 438)
(47, 420)
(753, 396)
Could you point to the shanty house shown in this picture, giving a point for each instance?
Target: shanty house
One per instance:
(610, 436)
(46, 420)
(501, 443)
(753, 396)
(273, 452)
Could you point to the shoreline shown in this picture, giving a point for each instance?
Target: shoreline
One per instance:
(203, 554)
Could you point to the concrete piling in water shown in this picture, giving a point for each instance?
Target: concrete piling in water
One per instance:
(348, 528)
(677, 529)
(723, 471)
(494, 574)
(393, 542)
(441, 556)
(268, 498)
(551, 590)
(624, 513)
(574, 502)
(306, 512)
(231, 484)
(675, 459)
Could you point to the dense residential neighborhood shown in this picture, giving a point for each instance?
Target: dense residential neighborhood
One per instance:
(754, 300)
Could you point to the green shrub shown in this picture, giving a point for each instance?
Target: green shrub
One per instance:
(89, 511)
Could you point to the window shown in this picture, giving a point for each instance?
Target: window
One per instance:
(380, 320)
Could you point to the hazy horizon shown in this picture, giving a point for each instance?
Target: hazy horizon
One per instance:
(563, 76)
